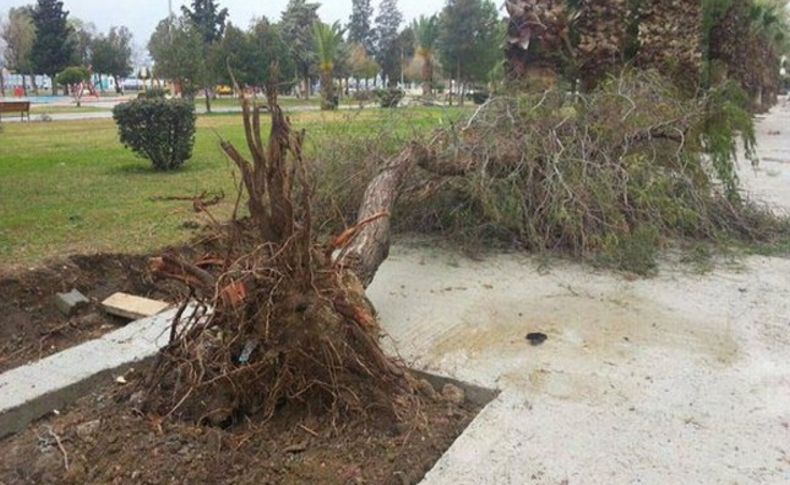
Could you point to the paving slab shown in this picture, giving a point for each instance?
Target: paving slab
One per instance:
(132, 307)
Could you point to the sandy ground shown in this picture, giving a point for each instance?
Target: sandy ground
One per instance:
(682, 378)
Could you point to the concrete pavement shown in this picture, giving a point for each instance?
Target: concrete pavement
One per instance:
(682, 378)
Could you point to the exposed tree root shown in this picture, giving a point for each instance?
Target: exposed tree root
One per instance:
(281, 319)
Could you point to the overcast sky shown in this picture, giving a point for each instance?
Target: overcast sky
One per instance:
(141, 16)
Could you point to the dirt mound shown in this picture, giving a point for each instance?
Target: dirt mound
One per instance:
(31, 327)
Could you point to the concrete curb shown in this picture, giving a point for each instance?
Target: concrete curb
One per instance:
(31, 391)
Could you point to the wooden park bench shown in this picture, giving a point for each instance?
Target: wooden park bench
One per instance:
(21, 107)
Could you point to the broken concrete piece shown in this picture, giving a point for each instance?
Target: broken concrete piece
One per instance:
(69, 303)
(133, 307)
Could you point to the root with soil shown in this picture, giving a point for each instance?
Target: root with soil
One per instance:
(276, 317)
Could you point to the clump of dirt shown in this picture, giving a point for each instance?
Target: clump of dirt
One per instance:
(31, 327)
(105, 438)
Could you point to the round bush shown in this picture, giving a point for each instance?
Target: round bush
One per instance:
(161, 130)
(389, 98)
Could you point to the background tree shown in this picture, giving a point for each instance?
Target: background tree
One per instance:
(82, 34)
(387, 51)
(54, 46)
(297, 30)
(112, 54)
(209, 20)
(342, 70)
(327, 39)
(405, 46)
(359, 28)
(426, 32)
(469, 41)
(73, 79)
(250, 54)
(19, 35)
(361, 65)
(177, 49)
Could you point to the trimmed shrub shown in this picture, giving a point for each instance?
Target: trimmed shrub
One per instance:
(72, 75)
(161, 130)
(389, 98)
(479, 97)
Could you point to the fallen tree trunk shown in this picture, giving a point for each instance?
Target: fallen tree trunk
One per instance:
(370, 246)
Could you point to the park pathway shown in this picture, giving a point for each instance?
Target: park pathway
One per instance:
(681, 378)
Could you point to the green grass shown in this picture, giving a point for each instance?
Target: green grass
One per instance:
(284, 101)
(70, 187)
(39, 109)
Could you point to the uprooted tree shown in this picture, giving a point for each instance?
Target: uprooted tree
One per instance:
(282, 318)
(278, 317)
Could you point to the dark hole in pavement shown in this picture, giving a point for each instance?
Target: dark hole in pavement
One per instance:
(537, 338)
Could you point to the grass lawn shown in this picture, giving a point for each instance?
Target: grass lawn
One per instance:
(285, 101)
(39, 109)
(70, 187)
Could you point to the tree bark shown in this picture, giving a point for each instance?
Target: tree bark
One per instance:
(207, 94)
(371, 245)
(427, 76)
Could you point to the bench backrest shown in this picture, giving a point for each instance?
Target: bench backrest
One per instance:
(14, 106)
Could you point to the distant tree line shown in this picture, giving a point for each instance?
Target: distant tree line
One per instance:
(43, 39)
(199, 49)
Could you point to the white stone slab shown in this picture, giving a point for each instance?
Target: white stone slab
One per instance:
(132, 307)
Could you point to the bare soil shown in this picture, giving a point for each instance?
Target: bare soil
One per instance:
(31, 327)
(106, 439)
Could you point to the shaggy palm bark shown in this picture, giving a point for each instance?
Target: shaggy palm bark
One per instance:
(744, 56)
(670, 40)
(328, 101)
(602, 35)
(427, 73)
(538, 35)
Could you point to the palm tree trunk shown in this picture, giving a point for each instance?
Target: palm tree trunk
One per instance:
(538, 37)
(670, 40)
(602, 37)
(427, 76)
(327, 90)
